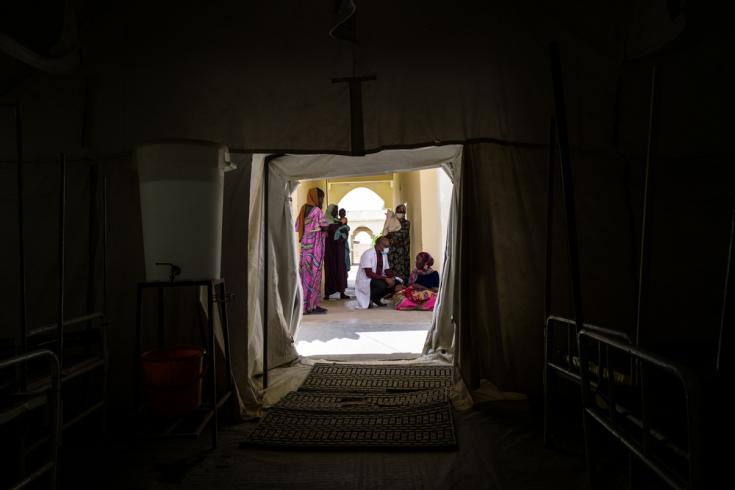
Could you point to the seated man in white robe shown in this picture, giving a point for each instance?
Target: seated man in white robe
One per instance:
(374, 277)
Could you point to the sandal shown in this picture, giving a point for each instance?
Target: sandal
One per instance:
(319, 310)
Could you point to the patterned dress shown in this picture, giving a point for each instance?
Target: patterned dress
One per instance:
(399, 255)
(312, 258)
(335, 274)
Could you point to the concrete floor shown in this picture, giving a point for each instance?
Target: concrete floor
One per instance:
(345, 330)
(500, 448)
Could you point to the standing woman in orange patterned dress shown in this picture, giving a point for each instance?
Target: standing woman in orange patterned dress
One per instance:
(311, 226)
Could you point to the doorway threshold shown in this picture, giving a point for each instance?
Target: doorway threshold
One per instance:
(393, 356)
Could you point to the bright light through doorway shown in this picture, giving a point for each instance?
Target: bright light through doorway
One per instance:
(378, 332)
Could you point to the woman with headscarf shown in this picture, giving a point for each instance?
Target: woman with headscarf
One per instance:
(335, 275)
(400, 244)
(311, 226)
(343, 233)
(423, 286)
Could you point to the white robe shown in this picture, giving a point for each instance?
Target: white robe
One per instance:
(369, 260)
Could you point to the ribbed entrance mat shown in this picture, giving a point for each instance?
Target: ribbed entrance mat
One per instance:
(353, 405)
(376, 378)
(360, 402)
(413, 427)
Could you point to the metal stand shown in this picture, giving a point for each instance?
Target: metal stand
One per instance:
(216, 291)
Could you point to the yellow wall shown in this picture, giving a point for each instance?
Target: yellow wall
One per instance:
(436, 200)
(298, 198)
(426, 194)
(431, 224)
(336, 189)
(366, 178)
(396, 189)
(409, 192)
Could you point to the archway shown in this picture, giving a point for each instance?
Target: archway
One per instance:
(362, 238)
(363, 199)
(366, 214)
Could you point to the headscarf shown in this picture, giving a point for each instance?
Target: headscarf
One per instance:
(423, 259)
(330, 217)
(391, 223)
(312, 199)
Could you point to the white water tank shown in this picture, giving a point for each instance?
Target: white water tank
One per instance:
(181, 195)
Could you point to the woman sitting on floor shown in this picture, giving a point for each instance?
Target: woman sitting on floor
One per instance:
(422, 288)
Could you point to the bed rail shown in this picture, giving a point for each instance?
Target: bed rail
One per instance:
(54, 399)
(640, 431)
(566, 368)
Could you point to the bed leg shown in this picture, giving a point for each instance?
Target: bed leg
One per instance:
(548, 388)
(587, 427)
(632, 480)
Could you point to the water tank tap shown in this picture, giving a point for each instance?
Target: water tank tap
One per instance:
(173, 272)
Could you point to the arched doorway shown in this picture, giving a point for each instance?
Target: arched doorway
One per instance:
(362, 199)
(362, 239)
(366, 214)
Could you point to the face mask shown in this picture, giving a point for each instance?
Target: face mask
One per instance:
(386, 250)
(400, 215)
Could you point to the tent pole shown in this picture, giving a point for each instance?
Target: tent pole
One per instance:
(60, 252)
(21, 234)
(357, 135)
(23, 327)
(567, 190)
(549, 217)
(92, 238)
(648, 195)
(728, 299)
(105, 237)
(547, 279)
(567, 185)
(266, 174)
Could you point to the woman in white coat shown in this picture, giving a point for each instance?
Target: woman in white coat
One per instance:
(374, 277)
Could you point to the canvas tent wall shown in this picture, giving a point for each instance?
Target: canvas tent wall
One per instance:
(256, 76)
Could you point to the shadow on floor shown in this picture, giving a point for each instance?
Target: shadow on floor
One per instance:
(499, 448)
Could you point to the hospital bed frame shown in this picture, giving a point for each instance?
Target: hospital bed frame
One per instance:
(638, 430)
(16, 405)
(567, 352)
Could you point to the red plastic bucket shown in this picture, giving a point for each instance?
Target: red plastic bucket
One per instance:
(173, 378)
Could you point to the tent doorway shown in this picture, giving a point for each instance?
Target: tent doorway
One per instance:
(379, 333)
(275, 307)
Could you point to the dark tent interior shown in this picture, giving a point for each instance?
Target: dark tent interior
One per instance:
(583, 334)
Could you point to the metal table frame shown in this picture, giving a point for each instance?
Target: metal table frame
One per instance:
(216, 292)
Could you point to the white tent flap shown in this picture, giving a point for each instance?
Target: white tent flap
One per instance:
(284, 289)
